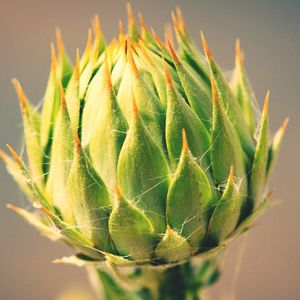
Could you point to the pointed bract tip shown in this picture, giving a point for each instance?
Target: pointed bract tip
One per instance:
(238, 52)
(167, 74)
(131, 61)
(215, 96)
(266, 102)
(77, 142)
(20, 92)
(180, 18)
(129, 11)
(205, 45)
(144, 53)
(157, 40)
(169, 35)
(118, 191)
(97, 25)
(135, 109)
(62, 96)
(77, 65)
(231, 173)
(53, 58)
(4, 156)
(89, 42)
(284, 125)
(14, 155)
(59, 40)
(175, 22)
(13, 208)
(121, 29)
(185, 145)
(142, 22)
(169, 229)
(173, 54)
(107, 72)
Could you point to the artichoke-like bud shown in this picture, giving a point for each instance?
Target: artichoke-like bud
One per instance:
(143, 153)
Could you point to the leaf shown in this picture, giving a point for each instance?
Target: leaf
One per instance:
(90, 199)
(226, 214)
(189, 217)
(131, 231)
(173, 247)
(143, 173)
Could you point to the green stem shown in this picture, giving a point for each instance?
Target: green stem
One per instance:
(181, 282)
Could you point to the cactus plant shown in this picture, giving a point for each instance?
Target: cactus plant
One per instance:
(143, 159)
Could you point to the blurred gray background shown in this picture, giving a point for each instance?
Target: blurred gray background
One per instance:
(262, 265)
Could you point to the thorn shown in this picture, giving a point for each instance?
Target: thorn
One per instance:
(121, 30)
(129, 12)
(167, 74)
(46, 211)
(142, 23)
(185, 145)
(173, 54)
(77, 66)
(107, 72)
(266, 103)
(14, 155)
(97, 26)
(205, 46)
(169, 229)
(284, 125)
(59, 40)
(134, 107)
(215, 95)
(53, 58)
(169, 35)
(180, 18)
(4, 157)
(156, 38)
(230, 177)
(132, 62)
(126, 46)
(175, 22)
(21, 95)
(62, 96)
(77, 140)
(118, 191)
(13, 208)
(89, 42)
(239, 54)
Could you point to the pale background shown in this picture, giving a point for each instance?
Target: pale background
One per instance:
(270, 34)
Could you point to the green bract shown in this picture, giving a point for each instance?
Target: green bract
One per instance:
(143, 154)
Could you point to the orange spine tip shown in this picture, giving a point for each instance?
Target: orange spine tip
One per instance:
(284, 125)
(20, 93)
(169, 35)
(121, 29)
(167, 75)
(132, 62)
(14, 155)
(214, 90)
(62, 96)
(173, 54)
(59, 40)
(266, 102)
(77, 65)
(231, 171)
(97, 26)
(142, 22)
(169, 230)
(175, 23)
(46, 211)
(180, 18)
(76, 140)
(157, 40)
(3, 156)
(89, 42)
(205, 46)
(13, 208)
(134, 106)
(185, 145)
(129, 12)
(238, 52)
(107, 73)
(53, 58)
(118, 191)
